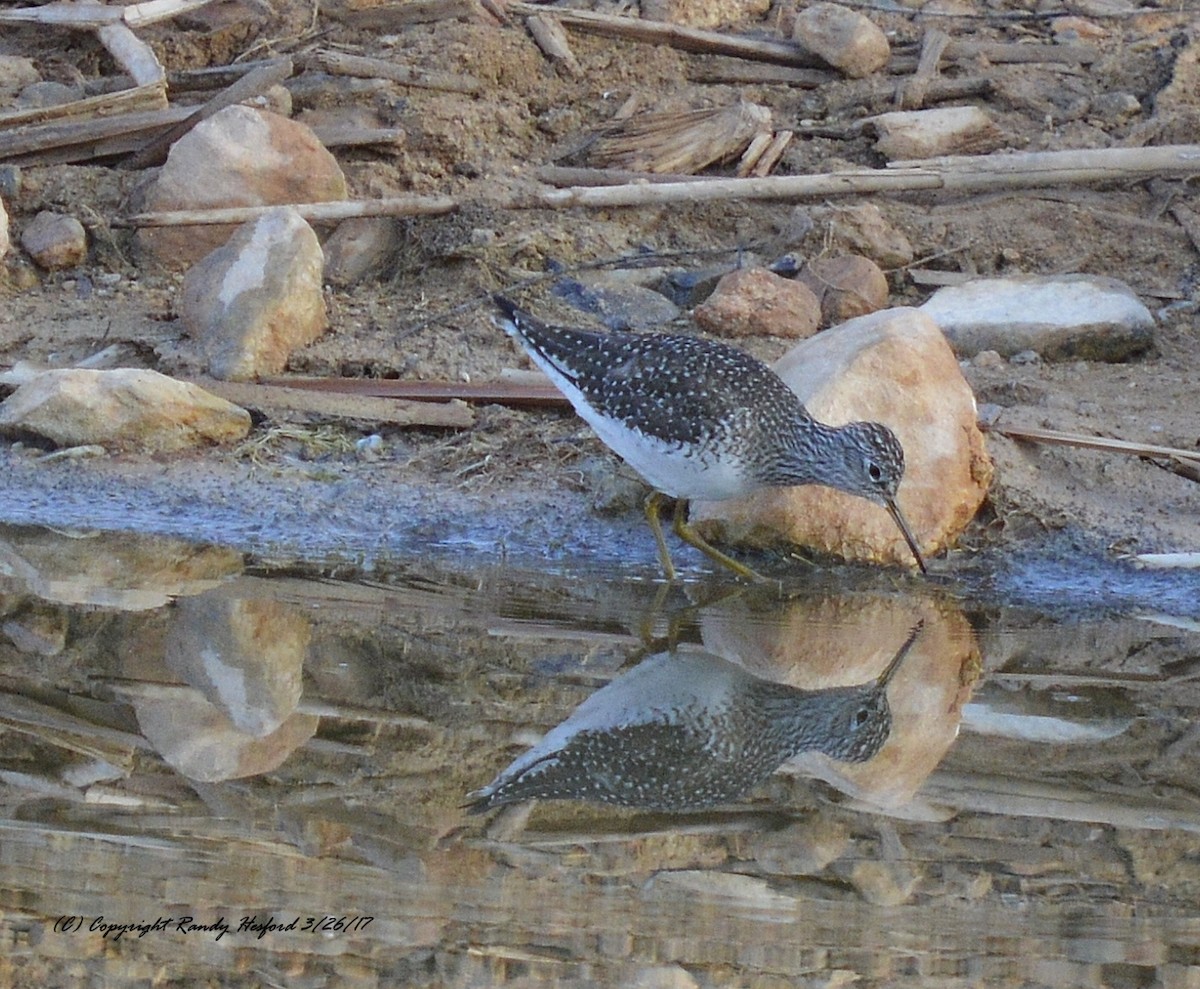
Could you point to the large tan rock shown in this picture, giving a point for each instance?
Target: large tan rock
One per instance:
(4, 240)
(238, 157)
(257, 298)
(126, 408)
(758, 302)
(842, 640)
(893, 367)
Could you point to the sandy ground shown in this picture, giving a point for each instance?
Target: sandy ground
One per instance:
(539, 481)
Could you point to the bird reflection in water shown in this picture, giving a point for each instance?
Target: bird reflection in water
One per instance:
(688, 730)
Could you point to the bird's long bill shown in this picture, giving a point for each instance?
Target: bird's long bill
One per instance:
(902, 525)
(891, 668)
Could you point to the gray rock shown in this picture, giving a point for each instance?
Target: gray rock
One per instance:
(360, 248)
(43, 94)
(1061, 317)
(55, 240)
(618, 305)
(250, 303)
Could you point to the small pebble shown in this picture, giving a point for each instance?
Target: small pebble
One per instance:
(1026, 357)
(369, 447)
(989, 413)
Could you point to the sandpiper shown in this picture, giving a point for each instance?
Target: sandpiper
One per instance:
(686, 730)
(699, 419)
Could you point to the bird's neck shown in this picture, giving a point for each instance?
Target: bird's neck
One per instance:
(805, 454)
(798, 717)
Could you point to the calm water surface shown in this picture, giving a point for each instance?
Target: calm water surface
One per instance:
(201, 745)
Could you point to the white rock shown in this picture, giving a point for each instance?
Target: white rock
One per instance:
(905, 134)
(126, 408)
(893, 367)
(238, 157)
(16, 71)
(253, 301)
(1061, 317)
(4, 241)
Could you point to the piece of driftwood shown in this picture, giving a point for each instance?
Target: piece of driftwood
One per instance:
(911, 93)
(213, 77)
(287, 396)
(1189, 220)
(1016, 52)
(353, 136)
(248, 86)
(537, 393)
(754, 151)
(77, 140)
(333, 212)
(133, 100)
(388, 16)
(736, 72)
(770, 158)
(937, 90)
(679, 141)
(361, 67)
(95, 15)
(132, 54)
(955, 174)
(959, 174)
(677, 36)
(1083, 441)
(550, 37)
(567, 175)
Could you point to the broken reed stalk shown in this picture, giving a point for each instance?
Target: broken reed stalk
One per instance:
(109, 106)
(362, 67)
(332, 212)
(133, 55)
(676, 36)
(94, 15)
(1083, 441)
(960, 174)
(680, 141)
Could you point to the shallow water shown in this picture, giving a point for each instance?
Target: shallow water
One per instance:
(191, 732)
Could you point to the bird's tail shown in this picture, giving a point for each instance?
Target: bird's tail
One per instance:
(514, 320)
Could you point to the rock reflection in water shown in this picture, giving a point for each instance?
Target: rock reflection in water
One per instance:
(125, 571)
(814, 642)
(241, 660)
(690, 730)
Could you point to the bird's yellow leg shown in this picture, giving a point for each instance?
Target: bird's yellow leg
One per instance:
(653, 504)
(693, 538)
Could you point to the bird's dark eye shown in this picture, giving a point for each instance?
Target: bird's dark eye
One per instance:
(874, 472)
(861, 717)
